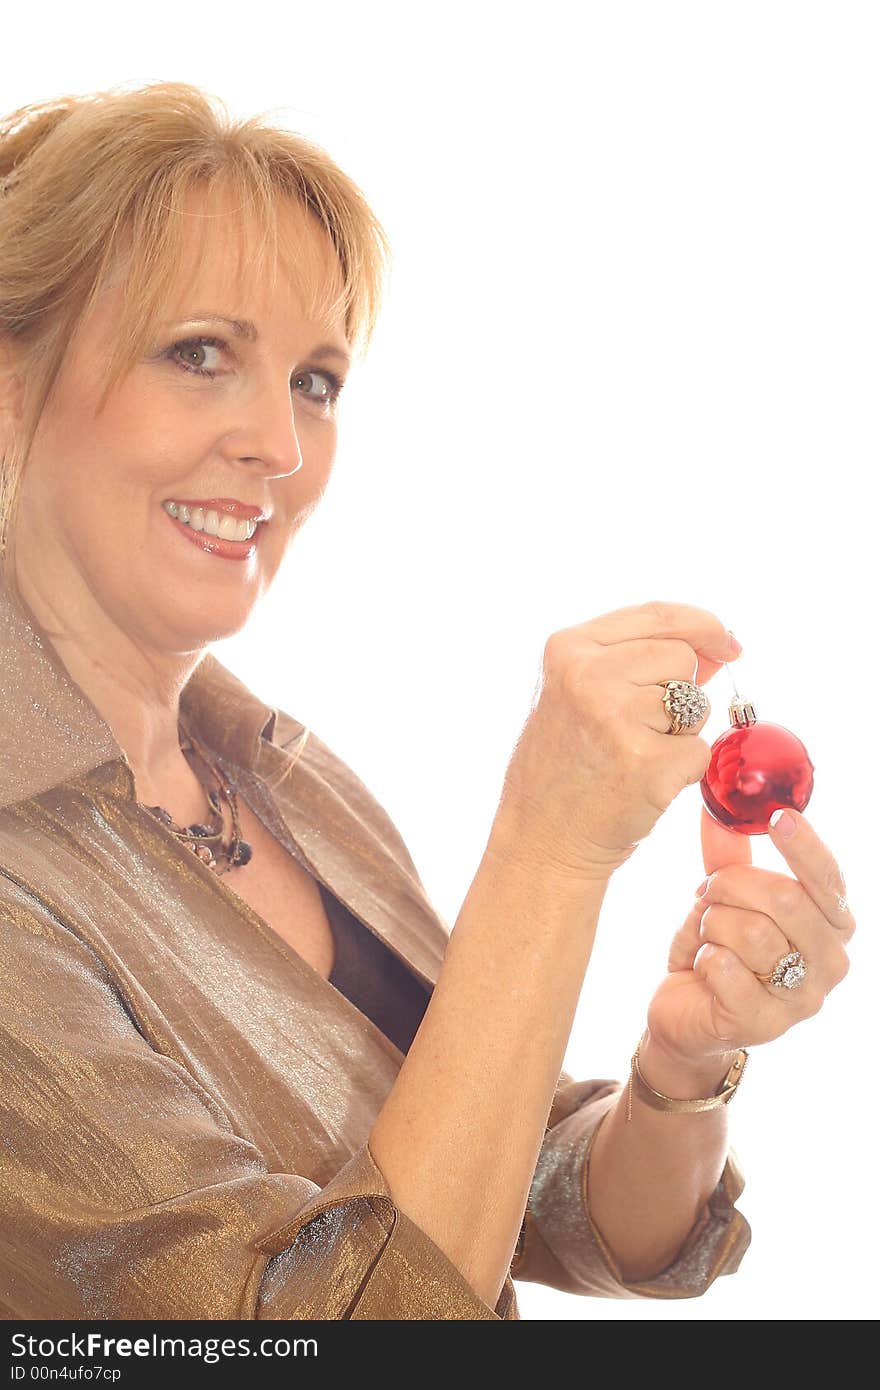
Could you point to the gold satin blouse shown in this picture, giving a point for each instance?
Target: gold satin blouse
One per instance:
(185, 1102)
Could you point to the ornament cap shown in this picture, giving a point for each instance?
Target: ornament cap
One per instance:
(742, 713)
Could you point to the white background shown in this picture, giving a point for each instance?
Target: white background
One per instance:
(629, 352)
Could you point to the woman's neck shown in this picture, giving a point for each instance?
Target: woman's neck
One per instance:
(133, 684)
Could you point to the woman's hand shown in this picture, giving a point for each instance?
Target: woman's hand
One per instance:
(711, 1001)
(594, 767)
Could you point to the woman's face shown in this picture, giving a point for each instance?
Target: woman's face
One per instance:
(92, 533)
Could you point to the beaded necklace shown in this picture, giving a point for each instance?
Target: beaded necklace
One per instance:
(206, 840)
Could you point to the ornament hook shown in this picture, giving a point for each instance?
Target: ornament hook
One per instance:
(736, 693)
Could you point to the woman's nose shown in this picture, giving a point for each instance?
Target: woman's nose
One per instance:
(271, 437)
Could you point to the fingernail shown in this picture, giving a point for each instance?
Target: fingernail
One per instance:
(734, 641)
(702, 888)
(785, 823)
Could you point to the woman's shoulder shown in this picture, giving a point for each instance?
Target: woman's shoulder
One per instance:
(320, 765)
(349, 829)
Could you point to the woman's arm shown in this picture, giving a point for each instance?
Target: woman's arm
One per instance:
(645, 1210)
(459, 1135)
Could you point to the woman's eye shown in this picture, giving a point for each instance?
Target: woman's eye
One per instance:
(190, 349)
(322, 387)
(328, 386)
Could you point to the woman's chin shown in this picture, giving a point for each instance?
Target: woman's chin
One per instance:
(216, 626)
(184, 617)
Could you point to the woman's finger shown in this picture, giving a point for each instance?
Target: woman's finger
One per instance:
(752, 894)
(816, 868)
(686, 942)
(753, 936)
(742, 1005)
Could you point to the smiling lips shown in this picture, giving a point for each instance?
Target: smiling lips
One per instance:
(215, 528)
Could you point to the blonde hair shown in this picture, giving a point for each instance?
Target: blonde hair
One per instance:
(91, 182)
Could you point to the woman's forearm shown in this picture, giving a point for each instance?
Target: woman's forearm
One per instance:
(460, 1133)
(649, 1177)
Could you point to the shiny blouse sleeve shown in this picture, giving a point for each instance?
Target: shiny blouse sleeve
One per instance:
(559, 1243)
(125, 1192)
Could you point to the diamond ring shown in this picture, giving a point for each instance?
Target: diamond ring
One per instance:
(787, 973)
(685, 704)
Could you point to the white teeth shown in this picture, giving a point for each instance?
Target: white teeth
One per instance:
(231, 530)
(227, 528)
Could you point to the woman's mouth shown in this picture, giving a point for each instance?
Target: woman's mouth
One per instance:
(213, 532)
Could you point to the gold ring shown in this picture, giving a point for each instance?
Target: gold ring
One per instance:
(787, 973)
(685, 704)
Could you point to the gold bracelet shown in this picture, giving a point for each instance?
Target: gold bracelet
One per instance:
(684, 1107)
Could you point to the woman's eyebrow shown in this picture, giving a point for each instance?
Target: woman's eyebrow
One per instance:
(245, 328)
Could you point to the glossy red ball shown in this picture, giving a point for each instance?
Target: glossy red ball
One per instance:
(753, 771)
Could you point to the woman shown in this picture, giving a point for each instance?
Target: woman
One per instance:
(246, 1071)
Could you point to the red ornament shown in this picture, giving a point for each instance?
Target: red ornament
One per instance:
(755, 768)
